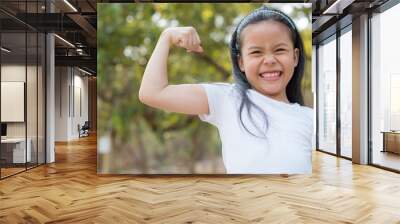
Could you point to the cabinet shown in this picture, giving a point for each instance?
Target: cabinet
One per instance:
(391, 141)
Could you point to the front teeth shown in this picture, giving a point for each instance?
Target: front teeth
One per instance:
(270, 74)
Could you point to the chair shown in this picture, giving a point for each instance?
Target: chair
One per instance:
(84, 130)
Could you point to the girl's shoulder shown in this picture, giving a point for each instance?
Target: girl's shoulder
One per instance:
(307, 111)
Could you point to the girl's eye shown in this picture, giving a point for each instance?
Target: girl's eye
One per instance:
(281, 50)
(255, 52)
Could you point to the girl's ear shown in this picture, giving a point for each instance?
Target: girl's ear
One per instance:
(296, 56)
(240, 62)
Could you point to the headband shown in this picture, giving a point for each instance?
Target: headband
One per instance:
(264, 12)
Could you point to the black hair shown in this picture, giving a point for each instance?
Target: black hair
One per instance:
(293, 89)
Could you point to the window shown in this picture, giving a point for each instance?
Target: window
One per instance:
(327, 96)
(346, 93)
(385, 87)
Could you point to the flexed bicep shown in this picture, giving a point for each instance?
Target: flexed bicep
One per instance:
(155, 90)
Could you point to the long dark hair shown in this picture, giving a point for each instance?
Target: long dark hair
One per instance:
(293, 89)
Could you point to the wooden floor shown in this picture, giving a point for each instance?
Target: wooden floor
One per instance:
(70, 191)
(10, 171)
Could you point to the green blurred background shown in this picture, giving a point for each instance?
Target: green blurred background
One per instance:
(136, 139)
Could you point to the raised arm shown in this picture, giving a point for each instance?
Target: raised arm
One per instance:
(155, 90)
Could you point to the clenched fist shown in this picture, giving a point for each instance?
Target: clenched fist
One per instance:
(185, 37)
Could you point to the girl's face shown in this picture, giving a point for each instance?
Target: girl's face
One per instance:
(268, 57)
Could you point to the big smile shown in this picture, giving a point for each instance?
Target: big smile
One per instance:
(271, 76)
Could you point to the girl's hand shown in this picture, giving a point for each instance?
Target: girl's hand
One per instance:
(185, 37)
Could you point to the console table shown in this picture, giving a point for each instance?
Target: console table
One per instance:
(391, 141)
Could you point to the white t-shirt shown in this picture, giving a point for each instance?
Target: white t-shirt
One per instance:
(287, 148)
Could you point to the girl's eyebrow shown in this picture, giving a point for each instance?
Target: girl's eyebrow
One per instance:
(281, 44)
(254, 47)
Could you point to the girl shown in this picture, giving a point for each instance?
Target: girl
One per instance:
(260, 120)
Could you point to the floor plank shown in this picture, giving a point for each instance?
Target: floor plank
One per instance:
(70, 191)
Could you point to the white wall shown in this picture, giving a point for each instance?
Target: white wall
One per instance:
(33, 126)
(71, 94)
(12, 73)
(61, 103)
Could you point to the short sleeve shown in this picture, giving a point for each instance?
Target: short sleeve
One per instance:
(217, 97)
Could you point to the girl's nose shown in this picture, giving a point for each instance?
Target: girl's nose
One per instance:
(269, 59)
